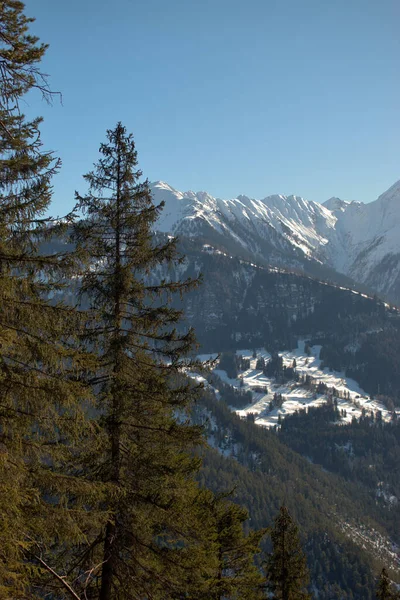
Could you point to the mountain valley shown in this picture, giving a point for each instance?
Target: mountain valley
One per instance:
(320, 377)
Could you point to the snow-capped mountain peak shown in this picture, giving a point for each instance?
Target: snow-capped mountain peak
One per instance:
(391, 195)
(287, 219)
(359, 240)
(335, 204)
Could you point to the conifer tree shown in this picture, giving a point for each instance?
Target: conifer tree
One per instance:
(384, 588)
(41, 406)
(144, 549)
(286, 568)
(234, 574)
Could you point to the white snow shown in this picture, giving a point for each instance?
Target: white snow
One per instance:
(293, 217)
(352, 237)
(296, 397)
(207, 357)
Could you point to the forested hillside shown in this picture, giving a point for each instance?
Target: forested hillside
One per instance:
(241, 305)
(244, 306)
(346, 532)
(365, 452)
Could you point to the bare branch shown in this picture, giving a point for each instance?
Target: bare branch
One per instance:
(60, 578)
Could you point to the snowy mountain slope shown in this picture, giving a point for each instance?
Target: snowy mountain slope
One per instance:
(359, 240)
(370, 236)
(284, 222)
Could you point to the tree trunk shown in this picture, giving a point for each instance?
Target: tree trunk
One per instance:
(109, 553)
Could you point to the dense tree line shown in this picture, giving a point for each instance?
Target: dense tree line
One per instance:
(365, 451)
(266, 473)
(373, 363)
(241, 307)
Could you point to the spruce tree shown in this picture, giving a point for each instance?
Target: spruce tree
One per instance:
(384, 588)
(42, 414)
(145, 461)
(234, 572)
(286, 567)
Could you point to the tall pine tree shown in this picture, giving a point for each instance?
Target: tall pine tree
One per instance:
(286, 567)
(42, 413)
(145, 461)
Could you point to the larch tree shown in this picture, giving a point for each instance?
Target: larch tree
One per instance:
(42, 399)
(144, 550)
(286, 567)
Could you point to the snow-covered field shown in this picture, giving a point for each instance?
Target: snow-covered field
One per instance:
(295, 397)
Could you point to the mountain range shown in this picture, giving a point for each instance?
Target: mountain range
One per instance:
(341, 483)
(339, 240)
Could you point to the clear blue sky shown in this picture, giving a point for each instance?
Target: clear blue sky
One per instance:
(233, 97)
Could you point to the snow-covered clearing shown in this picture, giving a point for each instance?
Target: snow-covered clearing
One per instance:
(351, 399)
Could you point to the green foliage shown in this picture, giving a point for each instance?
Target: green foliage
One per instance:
(235, 575)
(43, 404)
(286, 566)
(266, 473)
(145, 458)
(365, 452)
